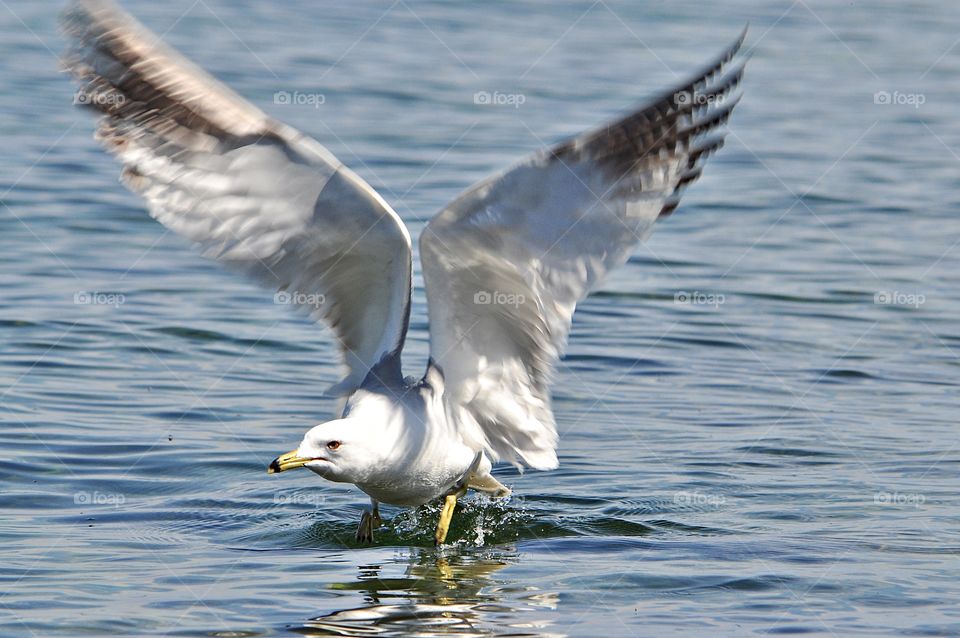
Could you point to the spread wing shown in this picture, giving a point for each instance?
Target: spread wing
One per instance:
(507, 261)
(253, 192)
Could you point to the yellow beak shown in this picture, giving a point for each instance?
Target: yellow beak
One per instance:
(288, 461)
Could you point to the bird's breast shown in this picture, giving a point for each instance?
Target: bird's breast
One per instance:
(422, 454)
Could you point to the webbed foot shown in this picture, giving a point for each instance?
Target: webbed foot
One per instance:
(369, 521)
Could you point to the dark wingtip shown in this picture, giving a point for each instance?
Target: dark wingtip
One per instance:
(734, 48)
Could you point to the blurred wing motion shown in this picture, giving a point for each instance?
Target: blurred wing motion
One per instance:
(256, 194)
(506, 262)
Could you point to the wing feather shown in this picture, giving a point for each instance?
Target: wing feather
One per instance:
(506, 262)
(254, 193)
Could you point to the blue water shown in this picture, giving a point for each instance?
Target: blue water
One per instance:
(781, 458)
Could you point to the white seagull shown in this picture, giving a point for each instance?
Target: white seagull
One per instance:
(504, 264)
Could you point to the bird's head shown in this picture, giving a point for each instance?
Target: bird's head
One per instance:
(336, 450)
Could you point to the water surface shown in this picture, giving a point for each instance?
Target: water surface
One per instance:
(781, 458)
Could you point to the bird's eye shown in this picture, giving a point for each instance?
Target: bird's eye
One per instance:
(333, 445)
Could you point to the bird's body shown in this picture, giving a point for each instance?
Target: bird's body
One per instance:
(504, 264)
(418, 452)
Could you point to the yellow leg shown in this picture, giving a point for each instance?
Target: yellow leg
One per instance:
(446, 515)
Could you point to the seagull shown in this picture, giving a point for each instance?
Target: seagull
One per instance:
(504, 264)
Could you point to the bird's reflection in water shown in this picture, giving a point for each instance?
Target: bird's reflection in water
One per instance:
(439, 593)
